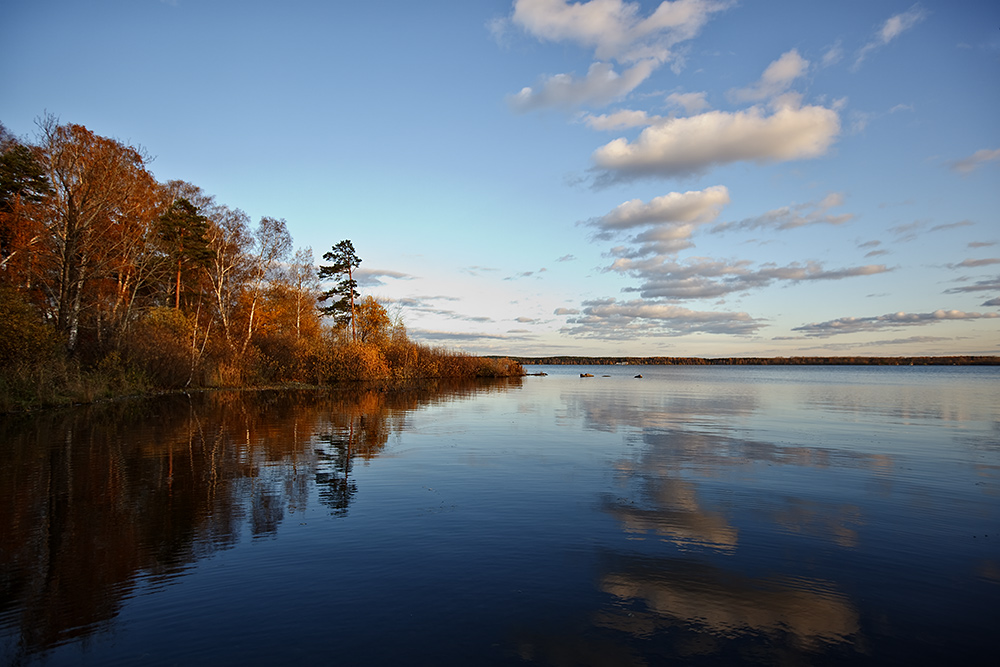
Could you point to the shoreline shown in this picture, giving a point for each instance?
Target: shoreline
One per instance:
(957, 360)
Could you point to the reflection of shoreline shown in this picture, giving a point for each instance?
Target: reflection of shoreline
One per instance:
(96, 498)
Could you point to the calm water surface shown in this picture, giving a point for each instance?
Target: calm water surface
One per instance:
(699, 515)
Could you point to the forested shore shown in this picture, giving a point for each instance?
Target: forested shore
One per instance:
(112, 283)
(965, 360)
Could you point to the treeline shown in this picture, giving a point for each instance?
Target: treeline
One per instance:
(111, 283)
(762, 361)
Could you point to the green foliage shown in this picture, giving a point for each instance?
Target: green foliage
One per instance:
(183, 234)
(345, 290)
(21, 177)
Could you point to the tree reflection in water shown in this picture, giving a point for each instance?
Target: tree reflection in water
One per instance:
(101, 500)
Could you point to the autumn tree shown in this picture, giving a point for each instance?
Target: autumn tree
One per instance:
(345, 289)
(374, 323)
(303, 282)
(100, 190)
(272, 243)
(230, 239)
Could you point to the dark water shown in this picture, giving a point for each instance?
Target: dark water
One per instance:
(699, 515)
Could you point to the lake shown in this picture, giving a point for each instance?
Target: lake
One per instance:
(696, 515)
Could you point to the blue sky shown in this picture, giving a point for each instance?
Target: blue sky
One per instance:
(701, 177)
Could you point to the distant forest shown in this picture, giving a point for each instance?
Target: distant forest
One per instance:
(761, 361)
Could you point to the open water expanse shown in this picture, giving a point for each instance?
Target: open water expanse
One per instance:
(698, 515)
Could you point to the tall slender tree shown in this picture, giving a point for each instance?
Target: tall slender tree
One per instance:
(183, 232)
(345, 290)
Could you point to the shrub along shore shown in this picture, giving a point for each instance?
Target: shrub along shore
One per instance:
(165, 353)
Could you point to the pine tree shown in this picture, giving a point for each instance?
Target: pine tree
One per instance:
(345, 289)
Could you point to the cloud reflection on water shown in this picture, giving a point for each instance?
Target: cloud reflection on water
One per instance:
(699, 597)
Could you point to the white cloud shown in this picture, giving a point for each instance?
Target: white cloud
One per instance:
(614, 28)
(686, 146)
(693, 206)
(797, 215)
(601, 86)
(701, 278)
(616, 320)
(889, 321)
(566, 311)
(690, 102)
(890, 30)
(673, 218)
(617, 32)
(969, 164)
(620, 120)
(833, 54)
(777, 78)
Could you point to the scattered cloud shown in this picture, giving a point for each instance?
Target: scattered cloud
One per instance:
(672, 219)
(566, 311)
(908, 231)
(909, 340)
(889, 321)
(616, 320)
(969, 164)
(777, 79)
(982, 244)
(454, 336)
(526, 274)
(617, 32)
(566, 258)
(600, 87)
(691, 103)
(702, 278)
(973, 263)
(833, 55)
(988, 285)
(893, 27)
(425, 304)
(873, 244)
(615, 29)
(374, 277)
(694, 206)
(688, 146)
(526, 320)
(796, 215)
(952, 225)
(994, 303)
(620, 120)
(475, 270)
